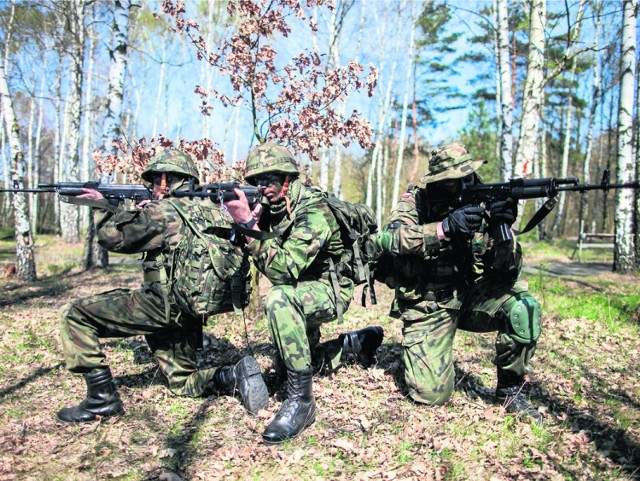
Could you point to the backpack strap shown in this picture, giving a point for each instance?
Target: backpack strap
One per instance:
(235, 280)
(336, 290)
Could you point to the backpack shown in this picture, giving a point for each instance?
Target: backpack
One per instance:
(209, 274)
(358, 229)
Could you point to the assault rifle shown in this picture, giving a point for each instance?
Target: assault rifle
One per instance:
(115, 193)
(522, 189)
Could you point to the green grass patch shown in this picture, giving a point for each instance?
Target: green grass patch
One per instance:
(610, 303)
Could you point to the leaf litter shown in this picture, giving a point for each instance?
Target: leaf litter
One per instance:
(585, 384)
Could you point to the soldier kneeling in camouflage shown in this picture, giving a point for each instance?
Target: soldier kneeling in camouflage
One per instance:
(154, 228)
(451, 274)
(307, 291)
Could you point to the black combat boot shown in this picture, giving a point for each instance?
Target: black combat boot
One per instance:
(360, 346)
(246, 379)
(509, 394)
(298, 411)
(102, 400)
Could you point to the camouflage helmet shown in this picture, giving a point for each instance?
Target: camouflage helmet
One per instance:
(452, 161)
(270, 157)
(171, 161)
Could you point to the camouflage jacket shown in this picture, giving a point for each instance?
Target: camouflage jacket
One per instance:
(310, 239)
(422, 262)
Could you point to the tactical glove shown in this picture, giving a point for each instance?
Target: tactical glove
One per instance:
(504, 211)
(463, 222)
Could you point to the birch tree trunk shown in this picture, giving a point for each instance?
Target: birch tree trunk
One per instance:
(3, 122)
(506, 137)
(333, 62)
(85, 158)
(69, 217)
(533, 90)
(6, 199)
(624, 251)
(26, 265)
(95, 255)
(384, 105)
(405, 105)
(540, 169)
(586, 166)
(566, 148)
(36, 159)
(496, 57)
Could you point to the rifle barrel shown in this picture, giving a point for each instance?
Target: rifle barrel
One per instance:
(604, 186)
(27, 191)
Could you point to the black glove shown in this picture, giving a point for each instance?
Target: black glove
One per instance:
(504, 211)
(463, 222)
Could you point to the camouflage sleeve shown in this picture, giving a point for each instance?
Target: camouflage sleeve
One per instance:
(284, 262)
(135, 231)
(404, 235)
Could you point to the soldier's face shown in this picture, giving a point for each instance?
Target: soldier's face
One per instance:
(159, 190)
(273, 186)
(447, 187)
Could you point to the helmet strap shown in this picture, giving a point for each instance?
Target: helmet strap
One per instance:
(285, 190)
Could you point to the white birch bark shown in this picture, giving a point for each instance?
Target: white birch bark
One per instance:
(38, 137)
(76, 24)
(533, 90)
(85, 158)
(26, 266)
(566, 147)
(381, 126)
(29, 157)
(506, 137)
(94, 255)
(333, 41)
(5, 166)
(5, 63)
(405, 106)
(595, 97)
(496, 58)
(624, 252)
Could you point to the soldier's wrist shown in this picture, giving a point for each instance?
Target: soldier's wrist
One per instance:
(443, 229)
(248, 224)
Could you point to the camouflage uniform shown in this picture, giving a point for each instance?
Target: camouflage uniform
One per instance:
(149, 310)
(442, 285)
(302, 297)
(299, 256)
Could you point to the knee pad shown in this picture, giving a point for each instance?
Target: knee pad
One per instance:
(523, 317)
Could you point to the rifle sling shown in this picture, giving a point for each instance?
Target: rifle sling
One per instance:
(539, 215)
(261, 235)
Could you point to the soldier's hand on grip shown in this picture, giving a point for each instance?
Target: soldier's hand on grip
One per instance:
(463, 222)
(504, 211)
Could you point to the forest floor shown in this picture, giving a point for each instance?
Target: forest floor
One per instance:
(585, 385)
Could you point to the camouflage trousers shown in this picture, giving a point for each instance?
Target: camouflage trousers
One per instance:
(125, 313)
(429, 329)
(295, 315)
